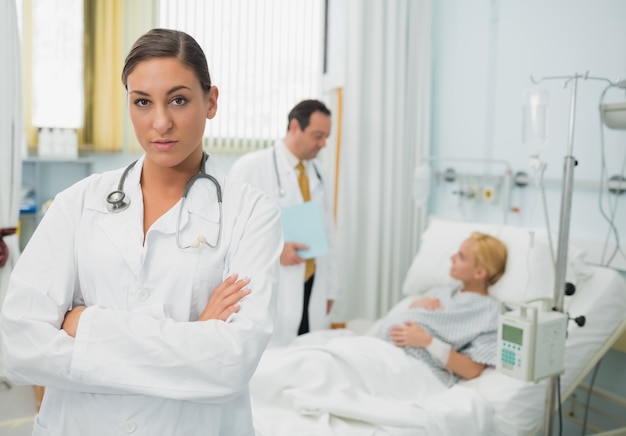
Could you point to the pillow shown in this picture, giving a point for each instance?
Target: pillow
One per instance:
(529, 268)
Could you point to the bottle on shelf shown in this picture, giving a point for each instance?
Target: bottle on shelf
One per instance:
(44, 147)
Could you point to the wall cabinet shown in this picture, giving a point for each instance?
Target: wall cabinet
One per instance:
(42, 179)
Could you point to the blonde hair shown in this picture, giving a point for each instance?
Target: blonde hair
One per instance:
(490, 253)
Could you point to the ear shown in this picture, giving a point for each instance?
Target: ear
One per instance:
(480, 273)
(294, 125)
(212, 106)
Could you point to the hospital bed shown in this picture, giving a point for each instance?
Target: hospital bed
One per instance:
(344, 382)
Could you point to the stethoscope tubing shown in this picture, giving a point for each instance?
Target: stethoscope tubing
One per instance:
(281, 189)
(117, 201)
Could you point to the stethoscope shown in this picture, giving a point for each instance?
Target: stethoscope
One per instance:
(281, 190)
(117, 201)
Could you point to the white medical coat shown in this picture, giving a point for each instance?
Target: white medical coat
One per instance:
(258, 169)
(138, 364)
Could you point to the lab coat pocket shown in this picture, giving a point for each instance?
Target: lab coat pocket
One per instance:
(206, 279)
(200, 226)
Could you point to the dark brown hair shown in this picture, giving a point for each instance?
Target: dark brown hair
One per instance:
(167, 43)
(303, 111)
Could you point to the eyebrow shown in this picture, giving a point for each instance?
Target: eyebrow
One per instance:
(320, 132)
(171, 91)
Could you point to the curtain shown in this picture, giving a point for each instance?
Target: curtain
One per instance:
(11, 139)
(104, 57)
(386, 131)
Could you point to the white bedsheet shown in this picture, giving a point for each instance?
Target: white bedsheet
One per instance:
(337, 383)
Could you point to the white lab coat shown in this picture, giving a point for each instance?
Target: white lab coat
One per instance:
(137, 364)
(258, 169)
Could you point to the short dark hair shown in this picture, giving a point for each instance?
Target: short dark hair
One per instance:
(302, 112)
(167, 43)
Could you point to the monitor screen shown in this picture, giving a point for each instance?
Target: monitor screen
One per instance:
(512, 334)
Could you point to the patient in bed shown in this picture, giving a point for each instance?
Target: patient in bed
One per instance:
(453, 329)
(396, 379)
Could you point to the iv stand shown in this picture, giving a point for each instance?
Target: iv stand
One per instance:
(562, 247)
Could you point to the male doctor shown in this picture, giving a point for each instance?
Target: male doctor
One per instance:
(307, 288)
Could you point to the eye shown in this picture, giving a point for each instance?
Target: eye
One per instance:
(141, 102)
(179, 101)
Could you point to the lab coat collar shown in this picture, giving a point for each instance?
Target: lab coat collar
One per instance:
(125, 228)
(288, 172)
(201, 199)
(313, 171)
(200, 215)
(284, 164)
(290, 161)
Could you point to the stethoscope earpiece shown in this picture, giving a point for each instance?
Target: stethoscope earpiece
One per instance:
(201, 240)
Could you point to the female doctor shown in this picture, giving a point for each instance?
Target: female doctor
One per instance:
(145, 297)
(273, 170)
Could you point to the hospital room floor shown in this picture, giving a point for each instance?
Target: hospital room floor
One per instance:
(17, 410)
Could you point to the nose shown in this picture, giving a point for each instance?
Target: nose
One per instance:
(322, 143)
(162, 121)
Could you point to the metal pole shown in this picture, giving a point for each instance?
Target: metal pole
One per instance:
(561, 259)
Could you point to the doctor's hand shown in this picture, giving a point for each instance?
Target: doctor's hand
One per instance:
(409, 335)
(70, 323)
(224, 300)
(290, 256)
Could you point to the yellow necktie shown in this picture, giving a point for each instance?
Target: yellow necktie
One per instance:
(303, 182)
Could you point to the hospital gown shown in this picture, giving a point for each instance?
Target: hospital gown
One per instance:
(467, 321)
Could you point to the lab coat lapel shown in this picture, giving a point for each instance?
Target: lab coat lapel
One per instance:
(315, 183)
(124, 229)
(288, 179)
(200, 214)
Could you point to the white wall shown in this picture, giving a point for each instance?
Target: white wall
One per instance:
(485, 53)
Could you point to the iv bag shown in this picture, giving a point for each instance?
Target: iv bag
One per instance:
(534, 113)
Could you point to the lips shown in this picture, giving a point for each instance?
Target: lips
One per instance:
(164, 144)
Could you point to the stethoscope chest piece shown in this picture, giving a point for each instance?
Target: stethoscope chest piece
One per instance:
(117, 201)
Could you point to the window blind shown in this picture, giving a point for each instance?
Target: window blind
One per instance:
(264, 56)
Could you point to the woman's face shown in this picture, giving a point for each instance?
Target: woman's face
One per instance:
(464, 263)
(169, 109)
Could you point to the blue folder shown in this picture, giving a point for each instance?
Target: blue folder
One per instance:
(304, 223)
